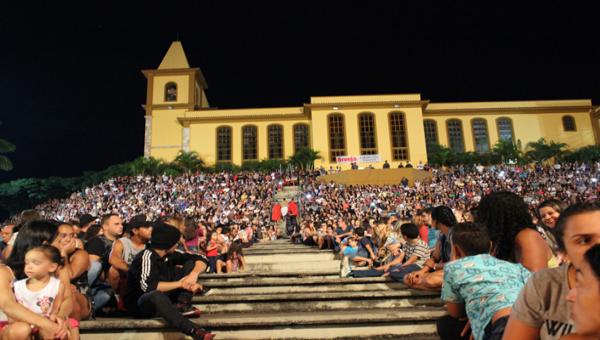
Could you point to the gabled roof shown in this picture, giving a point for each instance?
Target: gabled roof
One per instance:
(175, 58)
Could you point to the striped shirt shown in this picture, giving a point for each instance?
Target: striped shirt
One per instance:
(418, 249)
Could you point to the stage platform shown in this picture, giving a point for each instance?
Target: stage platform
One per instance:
(377, 176)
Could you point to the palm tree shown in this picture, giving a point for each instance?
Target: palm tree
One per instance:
(305, 158)
(540, 150)
(507, 149)
(439, 154)
(5, 147)
(188, 161)
(147, 166)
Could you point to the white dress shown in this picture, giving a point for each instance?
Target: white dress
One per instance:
(41, 301)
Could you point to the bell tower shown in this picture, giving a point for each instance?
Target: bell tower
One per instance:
(173, 89)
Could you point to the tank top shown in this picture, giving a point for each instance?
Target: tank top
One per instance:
(3, 316)
(41, 301)
(129, 251)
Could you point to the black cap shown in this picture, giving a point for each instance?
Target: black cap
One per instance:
(138, 221)
(164, 236)
(86, 219)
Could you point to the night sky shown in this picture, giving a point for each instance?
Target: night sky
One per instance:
(71, 87)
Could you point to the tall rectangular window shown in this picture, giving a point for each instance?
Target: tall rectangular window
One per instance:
(337, 136)
(505, 129)
(301, 135)
(249, 143)
(480, 135)
(398, 136)
(366, 128)
(275, 134)
(431, 134)
(455, 135)
(224, 144)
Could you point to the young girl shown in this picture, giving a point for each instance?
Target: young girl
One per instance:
(212, 252)
(41, 292)
(235, 258)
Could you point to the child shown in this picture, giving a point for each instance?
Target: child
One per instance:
(158, 286)
(478, 283)
(42, 292)
(349, 253)
(411, 258)
(212, 252)
(235, 258)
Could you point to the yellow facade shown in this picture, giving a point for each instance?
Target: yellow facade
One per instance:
(188, 123)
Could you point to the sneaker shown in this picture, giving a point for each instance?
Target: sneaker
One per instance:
(188, 311)
(202, 334)
(345, 267)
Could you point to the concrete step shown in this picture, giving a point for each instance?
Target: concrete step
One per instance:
(291, 258)
(249, 274)
(329, 305)
(357, 287)
(297, 267)
(348, 295)
(276, 325)
(268, 251)
(286, 281)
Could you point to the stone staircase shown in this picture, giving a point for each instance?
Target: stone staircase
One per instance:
(293, 292)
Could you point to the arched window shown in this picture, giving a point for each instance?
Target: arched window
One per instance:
(505, 129)
(337, 136)
(481, 140)
(224, 144)
(431, 134)
(398, 135)
(455, 135)
(366, 129)
(569, 123)
(171, 92)
(249, 143)
(301, 135)
(275, 134)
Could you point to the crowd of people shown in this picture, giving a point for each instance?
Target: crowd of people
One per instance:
(499, 243)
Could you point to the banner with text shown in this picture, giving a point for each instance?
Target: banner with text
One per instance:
(358, 159)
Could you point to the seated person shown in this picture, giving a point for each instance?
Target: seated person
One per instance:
(124, 251)
(410, 258)
(585, 298)
(478, 284)
(161, 282)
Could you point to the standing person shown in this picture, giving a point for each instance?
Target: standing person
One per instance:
(123, 252)
(99, 248)
(157, 286)
(542, 311)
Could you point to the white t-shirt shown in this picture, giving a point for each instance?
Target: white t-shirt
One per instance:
(41, 301)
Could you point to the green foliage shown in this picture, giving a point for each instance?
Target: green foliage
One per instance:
(439, 155)
(6, 147)
(540, 150)
(188, 161)
(507, 150)
(305, 158)
(585, 154)
(226, 166)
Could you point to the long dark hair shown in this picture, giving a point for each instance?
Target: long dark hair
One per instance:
(505, 214)
(32, 234)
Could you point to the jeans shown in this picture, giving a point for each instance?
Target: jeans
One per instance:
(449, 328)
(100, 291)
(397, 274)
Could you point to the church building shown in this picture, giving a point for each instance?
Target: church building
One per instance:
(369, 129)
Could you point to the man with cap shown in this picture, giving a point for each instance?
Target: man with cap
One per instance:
(85, 221)
(157, 286)
(124, 251)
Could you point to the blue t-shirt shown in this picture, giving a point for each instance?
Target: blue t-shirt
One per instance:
(485, 285)
(350, 251)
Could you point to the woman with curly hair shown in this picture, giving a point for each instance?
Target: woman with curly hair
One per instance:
(513, 234)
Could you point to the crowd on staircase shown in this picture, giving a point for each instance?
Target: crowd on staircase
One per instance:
(505, 245)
